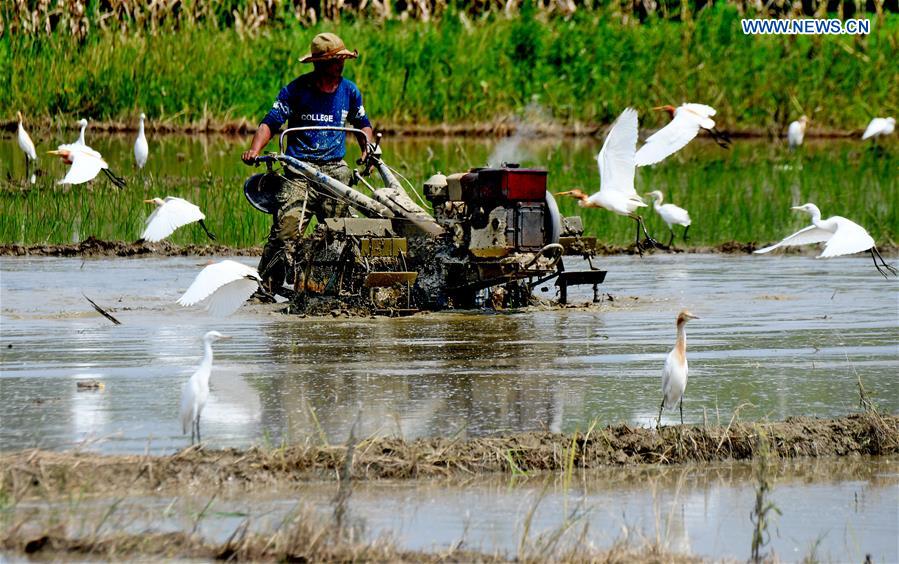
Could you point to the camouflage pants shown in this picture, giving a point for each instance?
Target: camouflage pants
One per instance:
(290, 221)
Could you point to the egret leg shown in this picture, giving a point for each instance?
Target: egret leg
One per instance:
(117, 181)
(890, 268)
(199, 440)
(193, 432)
(682, 411)
(637, 236)
(671, 240)
(687, 228)
(27, 168)
(649, 238)
(659, 419)
(209, 233)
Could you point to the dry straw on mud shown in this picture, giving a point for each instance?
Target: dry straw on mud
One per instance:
(41, 473)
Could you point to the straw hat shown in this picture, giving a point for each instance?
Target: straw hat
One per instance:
(327, 47)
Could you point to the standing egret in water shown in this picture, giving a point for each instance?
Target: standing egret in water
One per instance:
(27, 146)
(672, 215)
(86, 163)
(141, 149)
(169, 215)
(839, 235)
(880, 126)
(616, 175)
(674, 374)
(222, 287)
(195, 391)
(796, 132)
(687, 120)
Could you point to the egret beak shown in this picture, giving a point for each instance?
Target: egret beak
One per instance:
(149, 202)
(224, 337)
(691, 316)
(54, 152)
(659, 108)
(797, 208)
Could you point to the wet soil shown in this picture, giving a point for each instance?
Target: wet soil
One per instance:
(36, 473)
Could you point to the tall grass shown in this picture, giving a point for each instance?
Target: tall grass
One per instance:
(743, 194)
(583, 68)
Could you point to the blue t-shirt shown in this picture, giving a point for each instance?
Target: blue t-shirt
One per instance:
(301, 104)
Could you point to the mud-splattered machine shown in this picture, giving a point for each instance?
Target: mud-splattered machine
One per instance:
(492, 237)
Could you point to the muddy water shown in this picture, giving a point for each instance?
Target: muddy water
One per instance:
(832, 510)
(787, 339)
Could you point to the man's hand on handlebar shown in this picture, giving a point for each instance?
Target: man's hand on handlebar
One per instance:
(249, 157)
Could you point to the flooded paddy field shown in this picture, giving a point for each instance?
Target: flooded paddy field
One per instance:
(779, 337)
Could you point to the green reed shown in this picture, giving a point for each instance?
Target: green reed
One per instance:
(459, 69)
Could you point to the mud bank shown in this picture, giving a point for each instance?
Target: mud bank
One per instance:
(93, 247)
(36, 473)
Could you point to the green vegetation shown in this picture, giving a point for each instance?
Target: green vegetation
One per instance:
(743, 194)
(580, 69)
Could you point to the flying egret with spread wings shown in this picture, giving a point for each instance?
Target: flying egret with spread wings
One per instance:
(672, 215)
(222, 287)
(86, 163)
(880, 126)
(686, 122)
(195, 391)
(796, 132)
(169, 215)
(616, 175)
(141, 148)
(674, 373)
(840, 235)
(27, 146)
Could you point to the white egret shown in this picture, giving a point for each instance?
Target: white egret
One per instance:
(687, 120)
(169, 215)
(672, 215)
(674, 374)
(616, 175)
(796, 132)
(839, 235)
(195, 391)
(27, 146)
(880, 126)
(222, 287)
(141, 149)
(86, 163)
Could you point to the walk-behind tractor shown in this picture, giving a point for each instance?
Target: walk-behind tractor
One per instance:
(492, 237)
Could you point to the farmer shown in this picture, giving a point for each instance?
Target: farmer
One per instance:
(319, 98)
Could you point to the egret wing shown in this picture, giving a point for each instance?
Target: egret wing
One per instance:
(141, 151)
(675, 214)
(668, 140)
(616, 159)
(228, 299)
(86, 165)
(168, 217)
(214, 277)
(700, 109)
(849, 238)
(805, 236)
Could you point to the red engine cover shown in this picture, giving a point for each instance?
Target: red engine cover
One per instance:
(505, 184)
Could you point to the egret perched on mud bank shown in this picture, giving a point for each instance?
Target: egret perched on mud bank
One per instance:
(222, 287)
(674, 374)
(672, 215)
(195, 391)
(840, 235)
(169, 215)
(687, 120)
(616, 175)
(880, 126)
(27, 146)
(86, 163)
(141, 149)
(796, 132)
